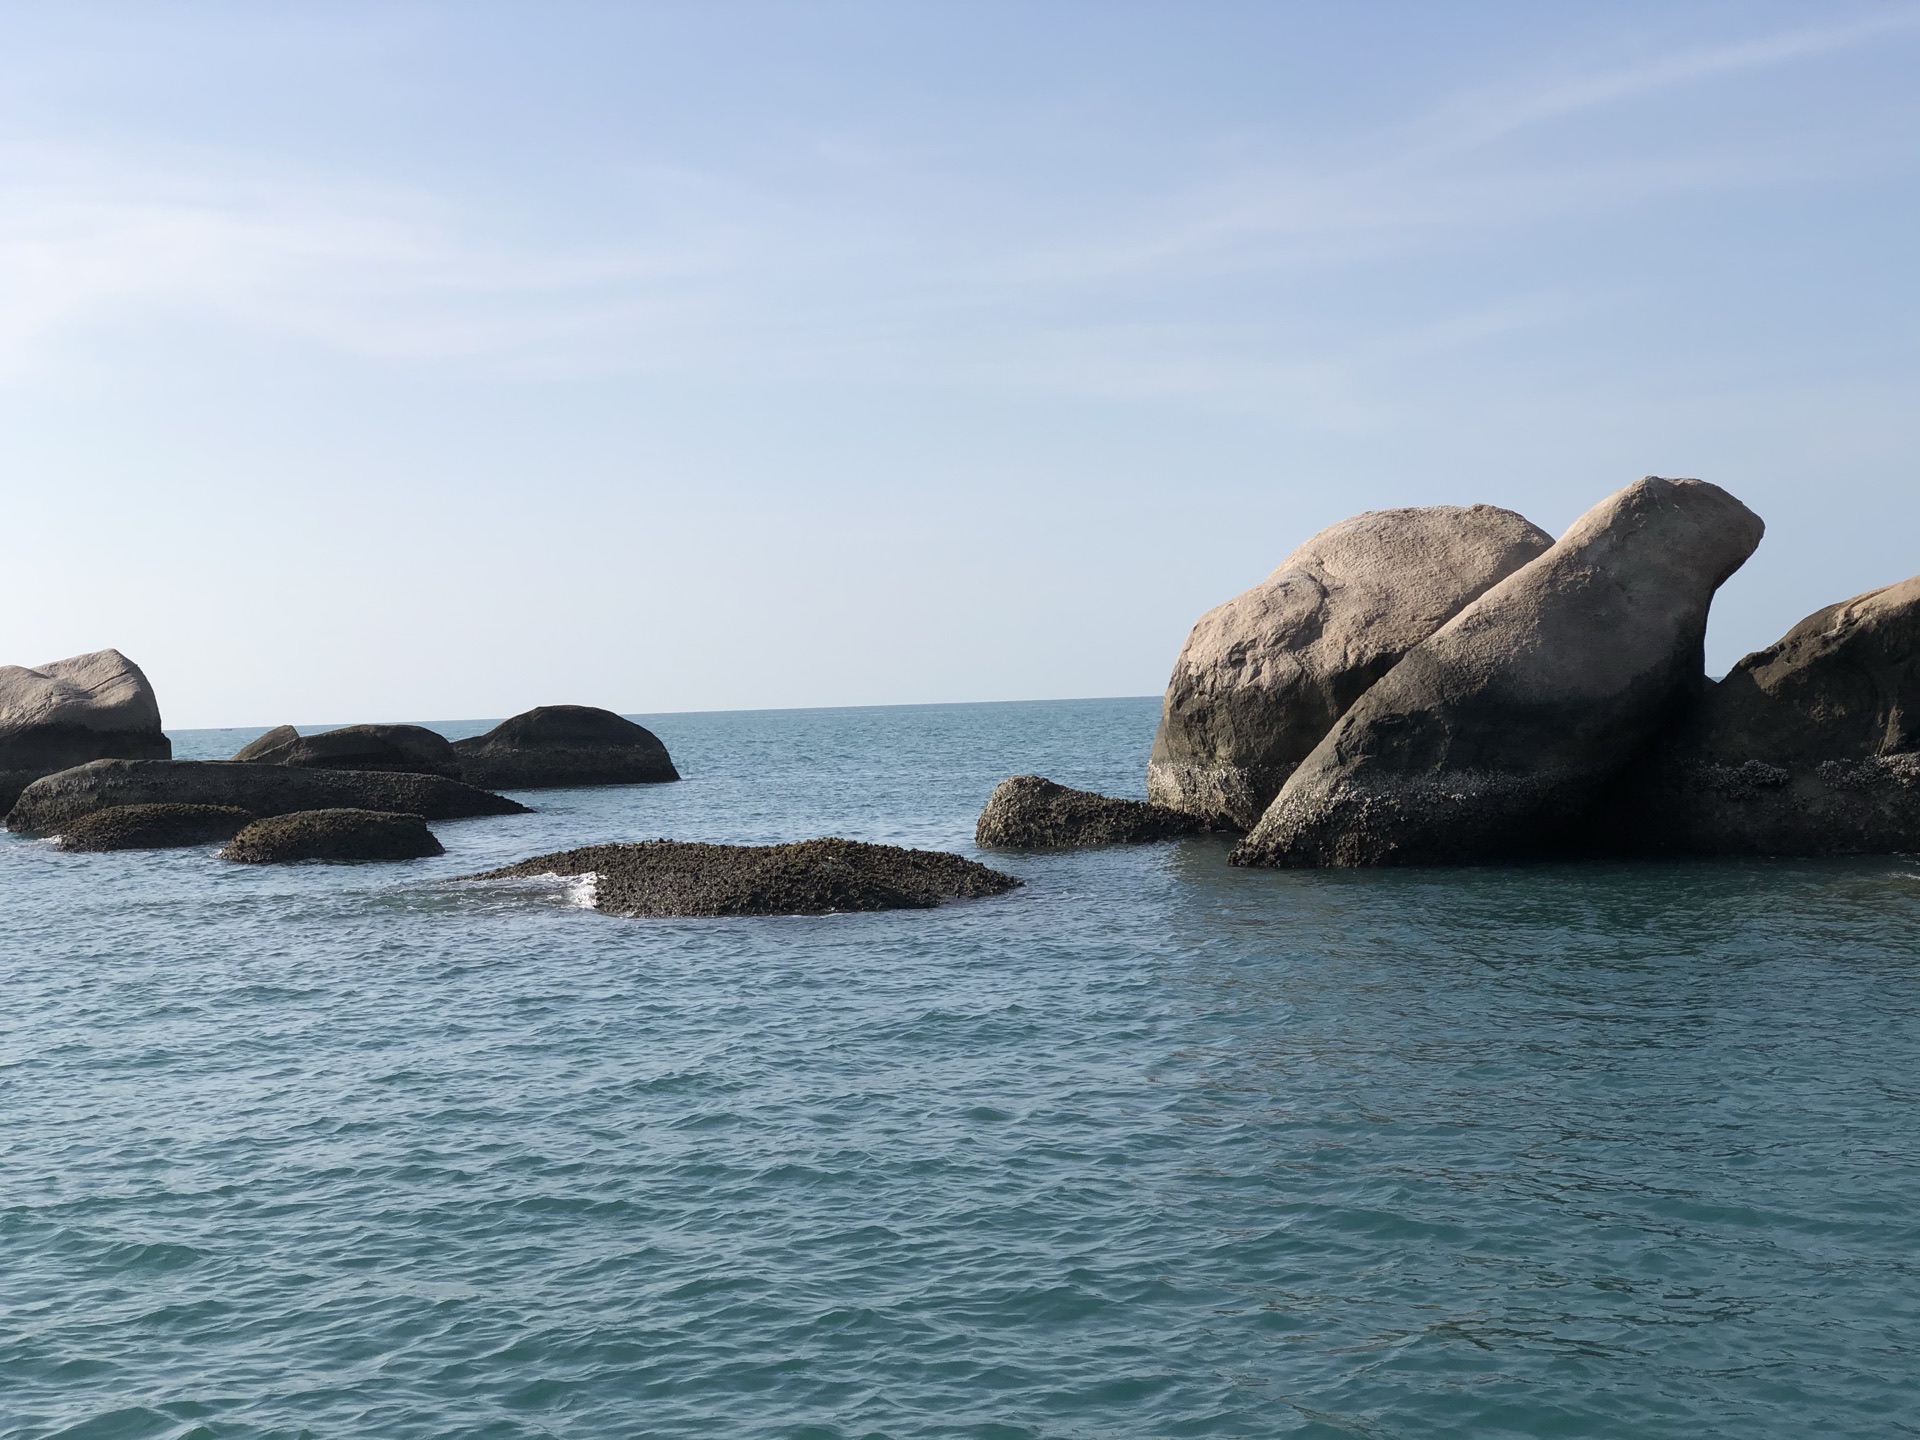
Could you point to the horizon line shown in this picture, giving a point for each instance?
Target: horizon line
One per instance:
(321, 727)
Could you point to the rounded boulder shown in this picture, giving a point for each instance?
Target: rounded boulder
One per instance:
(1030, 812)
(1263, 677)
(395, 749)
(333, 835)
(559, 745)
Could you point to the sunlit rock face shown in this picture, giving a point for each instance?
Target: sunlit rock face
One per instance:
(98, 706)
(1263, 677)
(1497, 735)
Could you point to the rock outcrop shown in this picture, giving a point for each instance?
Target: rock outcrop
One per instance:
(410, 749)
(810, 877)
(268, 748)
(1029, 812)
(54, 802)
(1497, 734)
(333, 835)
(1808, 747)
(67, 712)
(559, 745)
(152, 827)
(1263, 677)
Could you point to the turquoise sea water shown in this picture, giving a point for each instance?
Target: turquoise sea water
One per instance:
(1152, 1147)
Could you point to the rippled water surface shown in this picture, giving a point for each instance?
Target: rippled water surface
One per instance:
(1151, 1147)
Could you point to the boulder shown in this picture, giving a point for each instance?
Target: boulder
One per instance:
(1808, 747)
(1029, 812)
(556, 745)
(152, 827)
(333, 835)
(54, 802)
(1263, 677)
(67, 712)
(411, 749)
(1493, 737)
(268, 748)
(810, 877)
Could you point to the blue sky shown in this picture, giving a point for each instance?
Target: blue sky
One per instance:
(431, 361)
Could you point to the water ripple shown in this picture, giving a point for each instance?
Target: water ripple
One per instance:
(1152, 1147)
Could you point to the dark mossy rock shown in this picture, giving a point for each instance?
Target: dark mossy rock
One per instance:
(1808, 747)
(409, 749)
(556, 745)
(333, 835)
(809, 877)
(54, 802)
(152, 827)
(13, 783)
(1029, 812)
(268, 748)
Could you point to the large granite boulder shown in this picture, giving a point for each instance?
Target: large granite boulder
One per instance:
(555, 745)
(333, 835)
(809, 877)
(67, 712)
(1029, 812)
(56, 801)
(1263, 677)
(1808, 747)
(152, 827)
(1496, 735)
(412, 749)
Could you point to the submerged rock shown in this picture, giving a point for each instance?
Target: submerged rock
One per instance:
(88, 707)
(556, 745)
(1494, 736)
(810, 877)
(152, 827)
(1263, 677)
(1808, 747)
(333, 835)
(56, 801)
(412, 749)
(1029, 812)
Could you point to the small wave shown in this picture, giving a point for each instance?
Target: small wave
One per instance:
(583, 890)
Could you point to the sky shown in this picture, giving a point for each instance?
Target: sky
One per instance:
(432, 361)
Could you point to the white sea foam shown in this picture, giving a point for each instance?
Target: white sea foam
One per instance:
(582, 890)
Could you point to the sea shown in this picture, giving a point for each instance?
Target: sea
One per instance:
(1149, 1147)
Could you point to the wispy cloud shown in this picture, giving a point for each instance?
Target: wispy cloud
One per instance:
(1497, 112)
(810, 271)
(1427, 176)
(92, 238)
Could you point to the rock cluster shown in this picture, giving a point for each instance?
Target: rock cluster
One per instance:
(811, 877)
(1562, 707)
(333, 835)
(56, 801)
(88, 707)
(83, 758)
(559, 745)
(1028, 812)
(151, 827)
(1496, 735)
(1263, 677)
